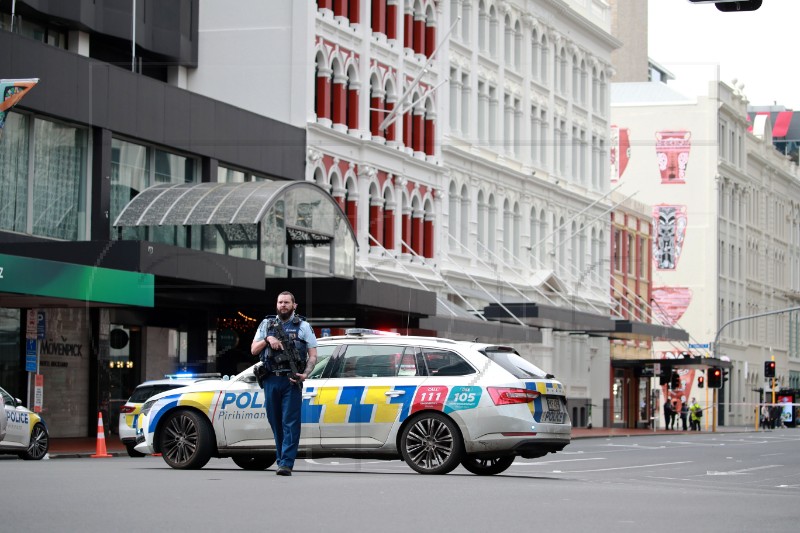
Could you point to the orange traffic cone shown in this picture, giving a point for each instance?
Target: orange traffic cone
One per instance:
(101, 438)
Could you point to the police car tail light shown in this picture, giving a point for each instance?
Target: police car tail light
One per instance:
(126, 409)
(510, 395)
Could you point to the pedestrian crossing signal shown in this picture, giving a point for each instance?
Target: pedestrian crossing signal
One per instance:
(674, 381)
(701, 382)
(714, 377)
(769, 369)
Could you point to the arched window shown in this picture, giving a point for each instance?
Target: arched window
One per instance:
(464, 219)
(390, 99)
(453, 215)
(535, 59)
(428, 230)
(430, 32)
(375, 216)
(507, 225)
(508, 41)
(339, 94)
(322, 89)
(544, 53)
(491, 229)
(430, 128)
(376, 104)
(493, 22)
(389, 207)
(517, 45)
(352, 98)
(483, 27)
(515, 231)
(482, 219)
(534, 237)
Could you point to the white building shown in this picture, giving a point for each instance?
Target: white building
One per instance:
(726, 232)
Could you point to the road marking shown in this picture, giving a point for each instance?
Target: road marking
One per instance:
(627, 467)
(742, 471)
(515, 463)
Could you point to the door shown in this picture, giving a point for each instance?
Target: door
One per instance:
(369, 391)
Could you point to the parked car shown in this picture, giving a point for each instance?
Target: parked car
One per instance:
(22, 432)
(129, 413)
(435, 403)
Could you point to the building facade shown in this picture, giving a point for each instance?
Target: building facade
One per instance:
(463, 144)
(724, 235)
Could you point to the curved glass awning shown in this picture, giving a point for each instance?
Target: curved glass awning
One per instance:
(289, 225)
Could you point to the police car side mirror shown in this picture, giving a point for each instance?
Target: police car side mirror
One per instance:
(249, 378)
(17, 402)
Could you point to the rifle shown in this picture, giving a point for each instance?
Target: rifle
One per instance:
(289, 353)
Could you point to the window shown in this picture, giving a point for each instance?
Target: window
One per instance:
(445, 363)
(370, 361)
(324, 353)
(56, 176)
(513, 363)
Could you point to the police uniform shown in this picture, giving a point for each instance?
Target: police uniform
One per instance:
(282, 397)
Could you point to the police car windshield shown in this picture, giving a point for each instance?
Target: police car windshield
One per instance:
(512, 362)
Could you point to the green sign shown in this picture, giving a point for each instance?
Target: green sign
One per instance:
(41, 277)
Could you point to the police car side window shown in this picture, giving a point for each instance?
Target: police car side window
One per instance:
(371, 361)
(324, 353)
(446, 363)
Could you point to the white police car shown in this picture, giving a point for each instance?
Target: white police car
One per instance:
(435, 403)
(22, 432)
(129, 413)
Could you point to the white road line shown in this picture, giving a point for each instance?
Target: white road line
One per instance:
(625, 467)
(742, 471)
(515, 463)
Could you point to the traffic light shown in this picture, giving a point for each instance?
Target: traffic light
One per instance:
(714, 377)
(724, 376)
(769, 369)
(701, 382)
(663, 378)
(674, 381)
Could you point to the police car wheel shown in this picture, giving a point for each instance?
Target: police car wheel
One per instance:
(186, 440)
(254, 462)
(482, 466)
(431, 444)
(132, 452)
(39, 444)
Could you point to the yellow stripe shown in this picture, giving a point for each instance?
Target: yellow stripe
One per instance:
(200, 400)
(333, 413)
(384, 411)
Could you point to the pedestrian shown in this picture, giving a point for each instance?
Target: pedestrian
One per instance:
(696, 414)
(282, 387)
(765, 417)
(669, 414)
(684, 415)
(674, 419)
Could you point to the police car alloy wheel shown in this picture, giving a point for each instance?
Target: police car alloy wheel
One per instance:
(254, 462)
(487, 466)
(186, 440)
(431, 444)
(39, 444)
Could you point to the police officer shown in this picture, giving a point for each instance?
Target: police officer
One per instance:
(282, 389)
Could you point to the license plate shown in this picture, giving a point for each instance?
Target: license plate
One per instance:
(554, 417)
(554, 404)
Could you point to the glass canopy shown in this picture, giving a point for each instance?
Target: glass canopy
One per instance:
(296, 228)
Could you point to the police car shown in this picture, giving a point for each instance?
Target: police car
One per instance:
(435, 403)
(22, 432)
(129, 413)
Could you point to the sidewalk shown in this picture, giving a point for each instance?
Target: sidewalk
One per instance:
(84, 447)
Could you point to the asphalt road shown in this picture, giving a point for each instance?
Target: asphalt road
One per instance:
(692, 482)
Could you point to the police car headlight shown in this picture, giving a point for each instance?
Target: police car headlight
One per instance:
(147, 406)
